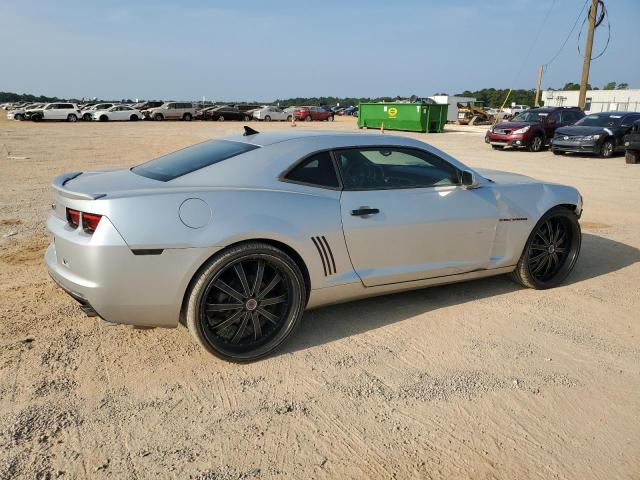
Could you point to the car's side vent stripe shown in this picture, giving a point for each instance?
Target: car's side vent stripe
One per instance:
(326, 255)
(148, 251)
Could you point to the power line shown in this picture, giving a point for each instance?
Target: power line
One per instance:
(603, 15)
(545, 66)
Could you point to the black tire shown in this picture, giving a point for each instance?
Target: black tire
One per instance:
(607, 149)
(133, 118)
(36, 117)
(158, 117)
(307, 118)
(246, 118)
(557, 152)
(19, 117)
(267, 118)
(221, 118)
(72, 118)
(632, 156)
(289, 118)
(551, 251)
(104, 118)
(86, 117)
(187, 117)
(536, 144)
(330, 118)
(233, 287)
(497, 147)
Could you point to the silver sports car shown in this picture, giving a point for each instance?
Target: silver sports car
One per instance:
(237, 237)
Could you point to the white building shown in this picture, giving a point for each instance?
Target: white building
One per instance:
(452, 111)
(596, 100)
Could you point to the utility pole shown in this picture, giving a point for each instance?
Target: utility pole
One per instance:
(587, 55)
(538, 85)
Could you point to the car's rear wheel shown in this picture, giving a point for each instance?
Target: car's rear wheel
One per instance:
(158, 117)
(19, 117)
(36, 117)
(606, 151)
(551, 251)
(133, 118)
(267, 118)
(330, 118)
(246, 118)
(536, 144)
(104, 118)
(245, 302)
(186, 117)
(289, 118)
(221, 118)
(72, 118)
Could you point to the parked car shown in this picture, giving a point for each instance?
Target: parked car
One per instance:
(312, 113)
(598, 133)
(117, 113)
(171, 111)
(87, 113)
(142, 106)
(632, 143)
(56, 111)
(20, 113)
(222, 113)
(514, 110)
(242, 235)
(243, 107)
(532, 129)
(271, 113)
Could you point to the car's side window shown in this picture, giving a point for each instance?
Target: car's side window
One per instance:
(382, 168)
(317, 170)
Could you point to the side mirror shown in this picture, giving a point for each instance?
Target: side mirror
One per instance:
(469, 180)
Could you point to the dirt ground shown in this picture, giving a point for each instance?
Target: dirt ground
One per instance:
(478, 380)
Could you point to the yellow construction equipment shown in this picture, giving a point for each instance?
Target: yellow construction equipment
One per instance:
(473, 113)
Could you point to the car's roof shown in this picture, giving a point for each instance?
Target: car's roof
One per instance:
(270, 138)
(614, 113)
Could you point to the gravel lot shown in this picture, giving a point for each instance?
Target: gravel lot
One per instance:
(475, 380)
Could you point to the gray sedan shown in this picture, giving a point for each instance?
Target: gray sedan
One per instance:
(236, 238)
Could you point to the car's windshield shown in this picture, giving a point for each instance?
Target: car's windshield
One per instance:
(530, 116)
(604, 120)
(190, 159)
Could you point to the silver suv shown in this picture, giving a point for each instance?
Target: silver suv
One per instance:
(172, 111)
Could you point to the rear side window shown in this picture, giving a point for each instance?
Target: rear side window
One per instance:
(316, 170)
(190, 159)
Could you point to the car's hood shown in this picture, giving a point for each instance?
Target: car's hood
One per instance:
(575, 130)
(501, 177)
(512, 125)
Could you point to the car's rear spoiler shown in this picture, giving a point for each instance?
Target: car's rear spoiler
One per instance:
(59, 185)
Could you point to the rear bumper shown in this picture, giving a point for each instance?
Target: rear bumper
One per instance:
(102, 273)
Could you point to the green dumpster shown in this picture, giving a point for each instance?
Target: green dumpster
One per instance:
(412, 117)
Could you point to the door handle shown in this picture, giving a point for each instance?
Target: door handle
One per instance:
(364, 211)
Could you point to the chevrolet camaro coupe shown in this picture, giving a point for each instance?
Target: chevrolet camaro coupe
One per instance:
(237, 237)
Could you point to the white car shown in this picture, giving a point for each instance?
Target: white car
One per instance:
(55, 111)
(117, 113)
(87, 113)
(19, 113)
(514, 109)
(271, 113)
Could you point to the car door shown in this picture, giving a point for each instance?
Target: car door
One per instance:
(552, 122)
(407, 217)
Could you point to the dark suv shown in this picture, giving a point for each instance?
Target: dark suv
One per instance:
(632, 143)
(599, 133)
(533, 128)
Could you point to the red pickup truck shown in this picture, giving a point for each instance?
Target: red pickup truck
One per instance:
(312, 113)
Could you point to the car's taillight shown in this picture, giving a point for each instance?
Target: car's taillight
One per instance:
(90, 222)
(73, 217)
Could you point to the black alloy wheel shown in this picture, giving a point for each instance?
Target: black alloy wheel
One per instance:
(246, 302)
(551, 251)
(607, 149)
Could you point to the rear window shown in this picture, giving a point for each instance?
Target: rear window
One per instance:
(190, 159)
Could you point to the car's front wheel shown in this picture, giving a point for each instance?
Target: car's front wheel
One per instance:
(551, 251)
(245, 302)
(606, 151)
(536, 144)
(72, 118)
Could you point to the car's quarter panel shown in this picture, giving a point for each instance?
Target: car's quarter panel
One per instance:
(419, 232)
(121, 286)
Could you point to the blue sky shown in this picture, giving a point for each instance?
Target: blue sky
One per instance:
(262, 50)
